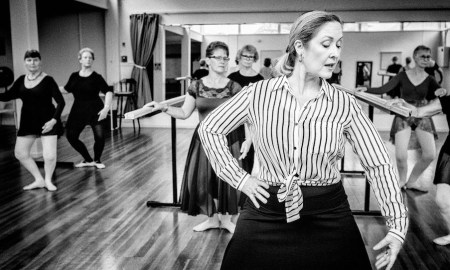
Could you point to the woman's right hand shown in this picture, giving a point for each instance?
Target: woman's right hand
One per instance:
(154, 105)
(256, 189)
(361, 89)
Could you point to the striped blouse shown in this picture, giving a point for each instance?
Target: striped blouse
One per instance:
(302, 145)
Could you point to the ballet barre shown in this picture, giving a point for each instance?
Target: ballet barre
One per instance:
(377, 102)
(384, 74)
(151, 112)
(147, 110)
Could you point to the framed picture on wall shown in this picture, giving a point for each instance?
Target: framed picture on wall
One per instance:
(386, 59)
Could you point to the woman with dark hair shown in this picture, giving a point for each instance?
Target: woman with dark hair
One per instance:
(88, 109)
(39, 118)
(267, 71)
(202, 192)
(417, 88)
(297, 215)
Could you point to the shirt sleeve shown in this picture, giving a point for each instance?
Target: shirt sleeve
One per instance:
(13, 92)
(103, 86)
(192, 89)
(432, 87)
(374, 157)
(390, 85)
(57, 96)
(213, 131)
(69, 85)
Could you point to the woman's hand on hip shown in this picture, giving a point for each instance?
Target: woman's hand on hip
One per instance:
(256, 189)
(391, 249)
(102, 114)
(49, 125)
(245, 147)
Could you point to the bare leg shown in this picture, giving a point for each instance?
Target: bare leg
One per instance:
(428, 146)
(49, 145)
(211, 223)
(443, 201)
(22, 153)
(401, 154)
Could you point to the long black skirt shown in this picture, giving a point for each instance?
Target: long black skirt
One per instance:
(325, 237)
(201, 186)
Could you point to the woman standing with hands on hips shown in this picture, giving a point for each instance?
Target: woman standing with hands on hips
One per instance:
(39, 118)
(88, 109)
(202, 192)
(297, 215)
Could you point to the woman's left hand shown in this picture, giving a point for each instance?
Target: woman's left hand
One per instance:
(245, 147)
(392, 247)
(48, 126)
(102, 114)
(440, 92)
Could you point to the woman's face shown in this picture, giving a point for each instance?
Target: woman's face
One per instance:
(86, 59)
(247, 59)
(33, 64)
(321, 54)
(218, 61)
(422, 58)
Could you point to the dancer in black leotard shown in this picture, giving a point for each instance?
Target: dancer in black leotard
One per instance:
(39, 118)
(88, 108)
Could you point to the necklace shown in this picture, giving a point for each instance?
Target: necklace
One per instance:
(28, 77)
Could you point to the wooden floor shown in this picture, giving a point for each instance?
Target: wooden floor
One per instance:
(98, 219)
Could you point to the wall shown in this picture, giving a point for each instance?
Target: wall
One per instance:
(5, 35)
(62, 36)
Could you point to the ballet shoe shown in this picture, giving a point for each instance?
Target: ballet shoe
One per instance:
(208, 224)
(50, 187)
(443, 240)
(85, 164)
(36, 184)
(99, 165)
(228, 225)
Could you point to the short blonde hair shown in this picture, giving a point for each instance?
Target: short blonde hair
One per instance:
(89, 50)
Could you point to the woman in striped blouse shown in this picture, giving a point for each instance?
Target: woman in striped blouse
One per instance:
(297, 215)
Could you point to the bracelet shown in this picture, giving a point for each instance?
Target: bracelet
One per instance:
(165, 108)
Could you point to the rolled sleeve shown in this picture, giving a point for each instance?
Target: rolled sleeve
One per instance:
(368, 145)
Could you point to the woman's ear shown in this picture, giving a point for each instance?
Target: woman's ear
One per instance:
(299, 48)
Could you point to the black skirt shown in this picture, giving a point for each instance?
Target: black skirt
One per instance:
(442, 174)
(201, 186)
(325, 237)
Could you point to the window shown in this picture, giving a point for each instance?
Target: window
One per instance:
(259, 28)
(418, 26)
(351, 27)
(380, 26)
(221, 29)
(285, 28)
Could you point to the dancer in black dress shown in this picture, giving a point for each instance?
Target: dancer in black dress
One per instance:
(39, 118)
(202, 192)
(88, 109)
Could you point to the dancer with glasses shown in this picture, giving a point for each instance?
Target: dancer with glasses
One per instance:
(417, 88)
(202, 192)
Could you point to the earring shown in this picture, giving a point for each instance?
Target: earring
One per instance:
(300, 59)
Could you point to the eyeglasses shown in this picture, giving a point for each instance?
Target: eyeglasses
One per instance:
(425, 57)
(220, 58)
(250, 57)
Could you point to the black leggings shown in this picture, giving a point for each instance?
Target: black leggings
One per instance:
(73, 135)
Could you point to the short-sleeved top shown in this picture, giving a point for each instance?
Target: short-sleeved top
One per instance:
(244, 80)
(37, 108)
(408, 91)
(445, 104)
(87, 102)
(207, 98)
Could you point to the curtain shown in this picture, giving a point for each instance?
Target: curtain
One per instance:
(144, 33)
